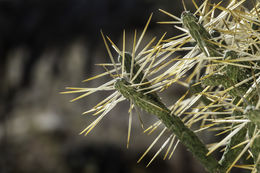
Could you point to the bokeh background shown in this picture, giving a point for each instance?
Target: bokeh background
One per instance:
(46, 45)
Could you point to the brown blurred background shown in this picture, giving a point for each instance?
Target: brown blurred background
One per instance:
(46, 45)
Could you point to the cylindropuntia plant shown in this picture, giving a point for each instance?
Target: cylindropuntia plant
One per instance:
(221, 73)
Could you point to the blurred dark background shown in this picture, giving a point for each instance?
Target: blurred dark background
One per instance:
(46, 45)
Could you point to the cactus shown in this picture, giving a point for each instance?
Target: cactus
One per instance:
(224, 84)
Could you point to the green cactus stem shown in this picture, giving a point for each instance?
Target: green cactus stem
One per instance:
(172, 122)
